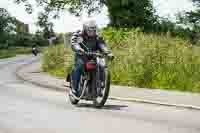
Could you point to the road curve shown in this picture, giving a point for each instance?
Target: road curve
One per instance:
(26, 108)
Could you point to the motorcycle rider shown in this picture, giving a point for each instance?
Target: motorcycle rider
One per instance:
(89, 37)
(34, 50)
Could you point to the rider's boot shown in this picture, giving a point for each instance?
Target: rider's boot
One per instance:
(75, 88)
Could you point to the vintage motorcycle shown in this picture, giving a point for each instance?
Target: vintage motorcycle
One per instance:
(91, 86)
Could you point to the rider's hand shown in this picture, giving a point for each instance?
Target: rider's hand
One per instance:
(82, 51)
(110, 56)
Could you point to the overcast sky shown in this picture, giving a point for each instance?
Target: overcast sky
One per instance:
(68, 22)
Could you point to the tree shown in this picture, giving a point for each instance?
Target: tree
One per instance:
(123, 13)
(131, 13)
(196, 2)
(7, 27)
(191, 19)
(45, 24)
(7, 23)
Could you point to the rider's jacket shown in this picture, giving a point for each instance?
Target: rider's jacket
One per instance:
(79, 40)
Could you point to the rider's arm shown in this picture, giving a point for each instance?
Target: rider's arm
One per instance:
(102, 46)
(75, 42)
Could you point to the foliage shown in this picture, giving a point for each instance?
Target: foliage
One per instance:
(45, 24)
(7, 27)
(125, 13)
(53, 60)
(6, 22)
(149, 60)
(59, 38)
(13, 51)
(142, 60)
(191, 19)
(76, 7)
(131, 13)
(39, 40)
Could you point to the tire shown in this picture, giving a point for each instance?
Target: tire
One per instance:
(71, 97)
(73, 100)
(100, 104)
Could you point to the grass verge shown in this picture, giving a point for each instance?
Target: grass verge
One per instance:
(141, 60)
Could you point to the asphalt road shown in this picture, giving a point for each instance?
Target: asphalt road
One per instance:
(26, 108)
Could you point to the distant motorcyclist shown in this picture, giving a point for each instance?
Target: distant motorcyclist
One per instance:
(34, 50)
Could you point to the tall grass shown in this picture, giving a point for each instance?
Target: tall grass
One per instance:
(142, 60)
(152, 61)
(57, 60)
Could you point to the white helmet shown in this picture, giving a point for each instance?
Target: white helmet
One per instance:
(90, 27)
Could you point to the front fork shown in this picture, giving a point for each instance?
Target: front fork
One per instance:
(94, 87)
(100, 75)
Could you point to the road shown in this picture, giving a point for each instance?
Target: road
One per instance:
(26, 108)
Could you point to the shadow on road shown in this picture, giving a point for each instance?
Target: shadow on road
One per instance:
(105, 107)
(114, 107)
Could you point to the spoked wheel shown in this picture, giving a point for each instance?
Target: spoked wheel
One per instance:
(72, 99)
(101, 99)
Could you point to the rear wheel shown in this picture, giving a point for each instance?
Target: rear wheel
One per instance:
(101, 100)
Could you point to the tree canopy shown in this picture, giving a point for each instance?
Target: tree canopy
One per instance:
(7, 27)
(6, 22)
(124, 13)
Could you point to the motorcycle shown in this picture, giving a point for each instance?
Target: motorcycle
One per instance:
(34, 51)
(91, 87)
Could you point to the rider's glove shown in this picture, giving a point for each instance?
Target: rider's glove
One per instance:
(110, 56)
(81, 51)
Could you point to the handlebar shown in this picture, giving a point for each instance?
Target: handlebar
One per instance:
(96, 54)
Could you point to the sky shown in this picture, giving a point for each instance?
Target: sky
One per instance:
(68, 23)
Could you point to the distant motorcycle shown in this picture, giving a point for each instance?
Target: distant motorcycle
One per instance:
(34, 51)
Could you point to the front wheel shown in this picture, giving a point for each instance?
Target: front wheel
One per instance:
(101, 100)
